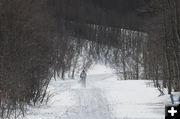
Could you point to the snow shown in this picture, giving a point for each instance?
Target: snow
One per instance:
(99, 69)
(105, 97)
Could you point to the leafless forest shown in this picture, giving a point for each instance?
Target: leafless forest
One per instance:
(40, 39)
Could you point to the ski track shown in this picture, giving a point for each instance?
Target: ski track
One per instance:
(87, 103)
(100, 100)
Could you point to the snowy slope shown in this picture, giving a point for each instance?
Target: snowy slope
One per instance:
(104, 98)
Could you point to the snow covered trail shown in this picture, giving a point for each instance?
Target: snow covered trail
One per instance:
(103, 98)
(71, 101)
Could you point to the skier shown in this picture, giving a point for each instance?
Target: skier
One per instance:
(83, 78)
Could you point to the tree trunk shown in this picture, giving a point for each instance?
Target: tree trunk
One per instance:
(62, 74)
(73, 72)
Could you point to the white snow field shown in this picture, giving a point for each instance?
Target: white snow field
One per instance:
(103, 98)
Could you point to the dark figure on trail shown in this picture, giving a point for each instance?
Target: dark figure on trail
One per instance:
(83, 78)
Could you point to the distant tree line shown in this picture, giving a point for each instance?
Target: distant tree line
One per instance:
(116, 13)
(120, 48)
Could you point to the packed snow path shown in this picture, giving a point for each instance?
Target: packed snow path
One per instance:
(104, 98)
